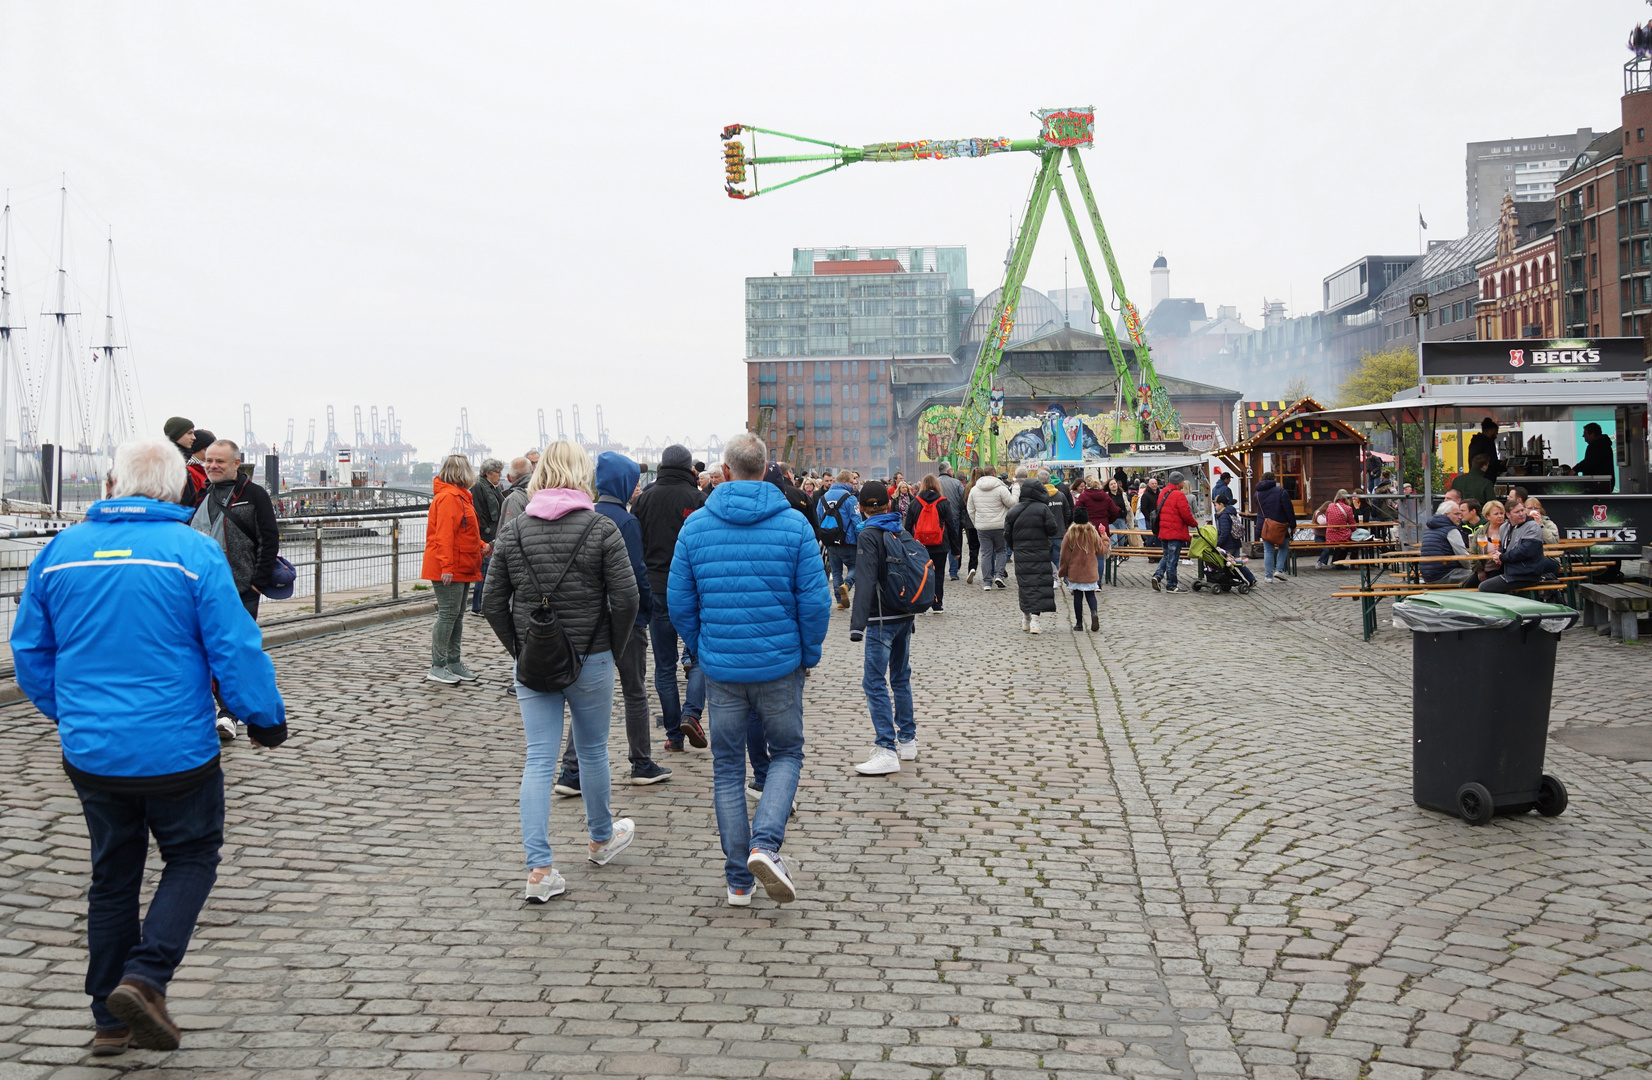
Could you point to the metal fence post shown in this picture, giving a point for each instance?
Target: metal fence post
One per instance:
(318, 569)
(395, 558)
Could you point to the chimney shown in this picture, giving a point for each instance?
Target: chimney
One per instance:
(1160, 289)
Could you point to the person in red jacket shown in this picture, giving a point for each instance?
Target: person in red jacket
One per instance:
(1176, 523)
(1339, 516)
(452, 560)
(1098, 503)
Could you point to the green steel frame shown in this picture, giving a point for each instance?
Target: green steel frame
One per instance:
(1149, 404)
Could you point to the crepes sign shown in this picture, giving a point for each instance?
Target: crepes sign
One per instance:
(1534, 356)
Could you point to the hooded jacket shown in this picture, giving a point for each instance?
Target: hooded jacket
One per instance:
(748, 591)
(660, 512)
(616, 480)
(1176, 518)
(597, 600)
(871, 548)
(1339, 513)
(949, 520)
(989, 502)
(1522, 551)
(124, 622)
(1032, 526)
(452, 539)
(1274, 503)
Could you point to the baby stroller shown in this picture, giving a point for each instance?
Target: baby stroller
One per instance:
(1216, 567)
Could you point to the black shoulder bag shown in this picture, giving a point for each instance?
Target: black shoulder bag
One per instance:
(546, 660)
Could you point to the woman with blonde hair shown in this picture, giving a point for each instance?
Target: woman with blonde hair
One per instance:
(1551, 531)
(452, 560)
(561, 554)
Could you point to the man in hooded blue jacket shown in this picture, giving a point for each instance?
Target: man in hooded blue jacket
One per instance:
(616, 483)
(748, 594)
(122, 626)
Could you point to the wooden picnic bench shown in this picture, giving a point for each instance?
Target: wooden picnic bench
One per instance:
(1615, 609)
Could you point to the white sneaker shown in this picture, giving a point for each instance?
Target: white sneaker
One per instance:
(881, 763)
(771, 872)
(226, 729)
(1026, 621)
(907, 751)
(971, 579)
(546, 887)
(624, 832)
(740, 897)
(987, 587)
(1033, 627)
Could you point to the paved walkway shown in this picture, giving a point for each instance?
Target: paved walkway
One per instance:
(1183, 847)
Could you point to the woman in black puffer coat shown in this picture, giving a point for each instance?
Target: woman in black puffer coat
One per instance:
(1032, 525)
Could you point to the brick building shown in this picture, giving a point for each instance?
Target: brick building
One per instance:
(1605, 222)
(1520, 284)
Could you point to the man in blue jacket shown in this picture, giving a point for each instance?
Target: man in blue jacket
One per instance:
(122, 626)
(748, 595)
(838, 516)
(616, 482)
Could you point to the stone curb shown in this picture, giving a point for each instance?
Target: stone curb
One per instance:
(294, 630)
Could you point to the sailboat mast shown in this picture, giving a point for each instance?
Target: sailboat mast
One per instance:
(61, 359)
(5, 339)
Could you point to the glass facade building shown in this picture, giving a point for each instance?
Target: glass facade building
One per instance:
(860, 302)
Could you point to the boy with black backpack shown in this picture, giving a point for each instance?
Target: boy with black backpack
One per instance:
(894, 580)
(837, 521)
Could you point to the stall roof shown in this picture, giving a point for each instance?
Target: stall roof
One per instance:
(1410, 407)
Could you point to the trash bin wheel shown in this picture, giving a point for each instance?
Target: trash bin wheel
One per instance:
(1551, 796)
(1474, 804)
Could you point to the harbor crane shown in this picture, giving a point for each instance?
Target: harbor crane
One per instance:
(287, 447)
(579, 433)
(251, 448)
(1142, 409)
(544, 439)
(561, 432)
(309, 441)
(333, 441)
(602, 430)
(464, 443)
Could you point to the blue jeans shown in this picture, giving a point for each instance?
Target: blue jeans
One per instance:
(476, 594)
(889, 669)
(1167, 561)
(663, 636)
(779, 703)
(841, 557)
(757, 749)
(189, 830)
(1275, 558)
(590, 699)
(956, 561)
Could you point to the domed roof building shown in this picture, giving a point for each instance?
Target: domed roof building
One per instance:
(1035, 317)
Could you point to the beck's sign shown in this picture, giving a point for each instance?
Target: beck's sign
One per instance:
(1534, 356)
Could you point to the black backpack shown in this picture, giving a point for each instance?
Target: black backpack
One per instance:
(547, 661)
(832, 528)
(906, 581)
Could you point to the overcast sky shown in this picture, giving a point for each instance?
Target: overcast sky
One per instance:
(511, 207)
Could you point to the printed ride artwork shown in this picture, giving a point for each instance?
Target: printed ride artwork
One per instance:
(1141, 409)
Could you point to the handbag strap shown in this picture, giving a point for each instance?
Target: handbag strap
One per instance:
(528, 563)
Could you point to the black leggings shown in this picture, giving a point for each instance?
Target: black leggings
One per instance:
(974, 548)
(1078, 604)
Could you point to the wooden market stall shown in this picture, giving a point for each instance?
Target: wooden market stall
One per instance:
(1312, 456)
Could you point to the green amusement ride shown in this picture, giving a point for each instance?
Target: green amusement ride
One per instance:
(1142, 410)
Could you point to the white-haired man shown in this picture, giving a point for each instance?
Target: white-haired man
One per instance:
(1445, 538)
(124, 622)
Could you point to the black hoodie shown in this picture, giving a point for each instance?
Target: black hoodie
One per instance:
(661, 511)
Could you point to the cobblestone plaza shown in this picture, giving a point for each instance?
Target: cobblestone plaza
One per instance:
(1182, 847)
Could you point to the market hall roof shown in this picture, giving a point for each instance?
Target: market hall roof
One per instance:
(1446, 266)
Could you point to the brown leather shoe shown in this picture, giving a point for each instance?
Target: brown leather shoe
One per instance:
(107, 1042)
(144, 1010)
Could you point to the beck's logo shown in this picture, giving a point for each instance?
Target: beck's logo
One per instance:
(1517, 357)
(1599, 513)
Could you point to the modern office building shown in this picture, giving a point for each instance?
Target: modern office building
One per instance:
(1523, 169)
(1447, 274)
(820, 342)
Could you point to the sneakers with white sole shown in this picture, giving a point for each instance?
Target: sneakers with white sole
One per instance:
(226, 729)
(971, 579)
(551, 884)
(907, 751)
(443, 675)
(881, 763)
(1026, 622)
(740, 897)
(624, 832)
(1032, 627)
(770, 872)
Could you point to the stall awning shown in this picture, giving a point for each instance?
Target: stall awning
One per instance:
(1411, 408)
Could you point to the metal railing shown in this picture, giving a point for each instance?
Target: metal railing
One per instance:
(349, 561)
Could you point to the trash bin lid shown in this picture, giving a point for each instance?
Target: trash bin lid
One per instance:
(1463, 610)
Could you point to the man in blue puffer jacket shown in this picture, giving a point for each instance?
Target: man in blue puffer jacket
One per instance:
(748, 595)
(122, 626)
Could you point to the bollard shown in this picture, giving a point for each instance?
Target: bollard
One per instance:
(318, 569)
(395, 558)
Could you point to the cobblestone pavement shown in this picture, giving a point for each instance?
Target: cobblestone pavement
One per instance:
(1182, 847)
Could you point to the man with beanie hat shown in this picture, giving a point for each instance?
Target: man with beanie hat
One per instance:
(194, 451)
(660, 512)
(176, 428)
